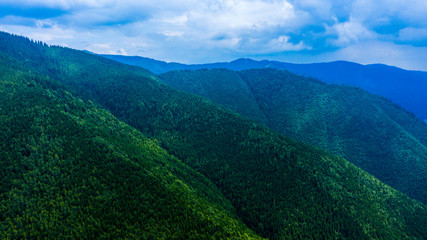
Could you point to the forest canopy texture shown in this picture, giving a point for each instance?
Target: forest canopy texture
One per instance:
(91, 148)
(368, 130)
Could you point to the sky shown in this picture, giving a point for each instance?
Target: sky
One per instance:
(392, 32)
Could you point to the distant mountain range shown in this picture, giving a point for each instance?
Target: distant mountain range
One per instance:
(405, 88)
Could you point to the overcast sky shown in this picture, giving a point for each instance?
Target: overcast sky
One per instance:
(392, 32)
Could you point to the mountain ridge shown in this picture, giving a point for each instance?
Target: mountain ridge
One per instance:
(404, 87)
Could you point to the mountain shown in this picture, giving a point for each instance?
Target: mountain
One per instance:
(154, 66)
(70, 169)
(159, 67)
(278, 187)
(403, 87)
(365, 129)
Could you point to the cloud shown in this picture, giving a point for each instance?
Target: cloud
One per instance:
(404, 56)
(59, 4)
(202, 31)
(317, 8)
(106, 48)
(238, 15)
(411, 34)
(350, 32)
(43, 30)
(282, 44)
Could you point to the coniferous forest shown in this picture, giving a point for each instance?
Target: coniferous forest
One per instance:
(95, 149)
(369, 131)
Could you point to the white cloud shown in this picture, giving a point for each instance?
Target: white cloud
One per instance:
(53, 34)
(237, 18)
(282, 44)
(349, 32)
(175, 20)
(172, 33)
(106, 49)
(404, 56)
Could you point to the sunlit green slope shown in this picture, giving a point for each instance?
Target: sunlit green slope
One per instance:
(280, 188)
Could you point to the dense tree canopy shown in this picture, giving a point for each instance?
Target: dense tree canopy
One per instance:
(205, 172)
(71, 170)
(365, 129)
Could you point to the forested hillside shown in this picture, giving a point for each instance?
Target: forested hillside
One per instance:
(71, 170)
(278, 187)
(367, 130)
(403, 87)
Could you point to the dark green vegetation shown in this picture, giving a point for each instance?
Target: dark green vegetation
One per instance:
(278, 187)
(367, 130)
(71, 170)
(406, 88)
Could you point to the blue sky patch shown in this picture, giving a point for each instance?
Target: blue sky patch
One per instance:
(32, 12)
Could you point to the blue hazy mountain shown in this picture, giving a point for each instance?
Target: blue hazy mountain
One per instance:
(403, 87)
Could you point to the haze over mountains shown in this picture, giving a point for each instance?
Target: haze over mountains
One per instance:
(92, 148)
(403, 87)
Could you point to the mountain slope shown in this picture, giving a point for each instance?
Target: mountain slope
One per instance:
(280, 188)
(403, 87)
(71, 170)
(224, 87)
(367, 130)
